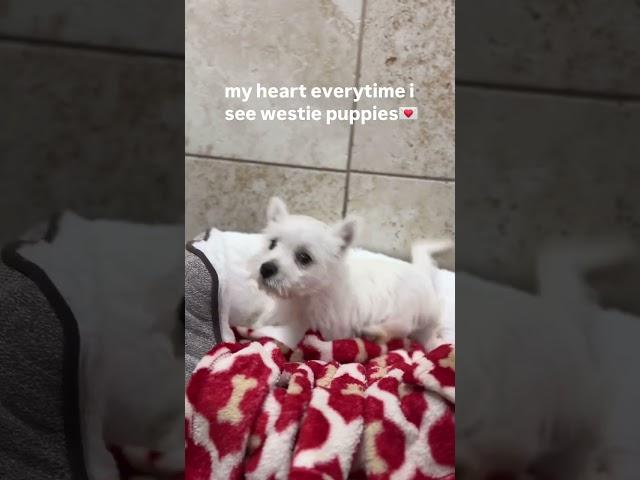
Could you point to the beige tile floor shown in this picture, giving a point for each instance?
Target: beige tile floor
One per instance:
(398, 176)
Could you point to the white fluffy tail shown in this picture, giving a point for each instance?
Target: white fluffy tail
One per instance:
(422, 252)
(562, 265)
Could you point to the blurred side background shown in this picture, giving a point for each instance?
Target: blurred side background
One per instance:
(547, 149)
(91, 95)
(548, 105)
(398, 176)
(91, 105)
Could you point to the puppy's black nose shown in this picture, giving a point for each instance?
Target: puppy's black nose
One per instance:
(268, 269)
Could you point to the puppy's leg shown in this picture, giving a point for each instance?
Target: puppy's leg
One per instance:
(386, 330)
(95, 380)
(267, 319)
(100, 463)
(173, 448)
(375, 333)
(276, 314)
(430, 337)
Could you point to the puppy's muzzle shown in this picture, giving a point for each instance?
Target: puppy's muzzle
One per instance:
(268, 270)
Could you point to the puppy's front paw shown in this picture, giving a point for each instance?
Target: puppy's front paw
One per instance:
(260, 322)
(433, 343)
(375, 333)
(266, 319)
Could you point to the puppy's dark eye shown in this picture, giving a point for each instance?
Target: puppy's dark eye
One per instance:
(303, 258)
(273, 243)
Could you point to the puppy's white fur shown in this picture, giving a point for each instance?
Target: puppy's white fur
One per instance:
(535, 400)
(341, 294)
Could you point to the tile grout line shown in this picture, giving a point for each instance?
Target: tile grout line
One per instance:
(354, 106)
(89, 48)
(266, 164)
(549, 91)
(319, 169)
(406, 176)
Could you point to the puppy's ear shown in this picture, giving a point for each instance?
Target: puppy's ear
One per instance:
(346, 230)
(276, 210)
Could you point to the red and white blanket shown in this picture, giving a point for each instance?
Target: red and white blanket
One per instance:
(345, 409)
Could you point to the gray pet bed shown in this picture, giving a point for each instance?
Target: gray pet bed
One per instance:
(39, 350)
(202, 321)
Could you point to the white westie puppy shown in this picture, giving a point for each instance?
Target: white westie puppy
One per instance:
(316, 280)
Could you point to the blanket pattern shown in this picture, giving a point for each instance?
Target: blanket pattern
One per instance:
(344, 409)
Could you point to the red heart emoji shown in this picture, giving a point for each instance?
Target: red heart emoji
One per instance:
(407, 112)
